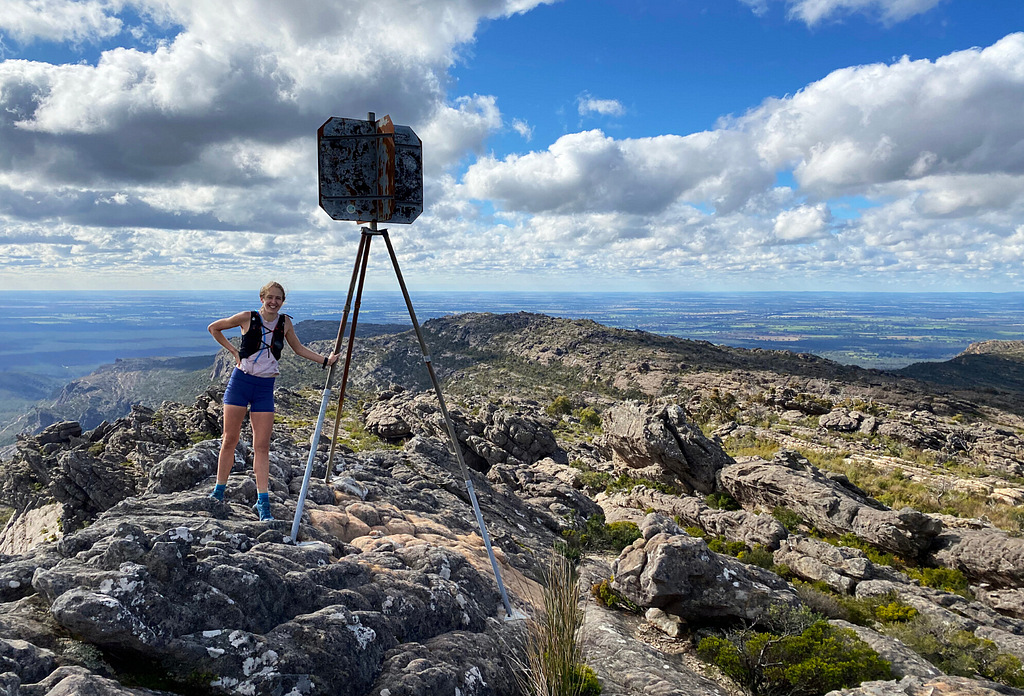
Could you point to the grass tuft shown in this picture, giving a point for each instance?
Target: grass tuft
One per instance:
(553, 661)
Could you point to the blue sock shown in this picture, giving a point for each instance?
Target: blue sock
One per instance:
(218, 491)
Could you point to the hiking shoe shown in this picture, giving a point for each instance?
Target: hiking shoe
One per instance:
(263, 511)
(218, 493)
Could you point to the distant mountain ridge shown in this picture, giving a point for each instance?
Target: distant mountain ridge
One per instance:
(529, 354)
(993, 366)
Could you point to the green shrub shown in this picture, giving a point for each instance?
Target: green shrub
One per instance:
(822, 602)
(625, 482)
(750, 446)
(96, 448)
(599, 480)
(561, 406)
(789, 519)
(784, 572)
(697, 533)
(721, 501)
(760, 556)
(597, 536)
(589, 418)
(606, 596)
(874, 554)
(794, 658)
(621, 534)
(948, 579)
(895, 612)
(863, 611)
(958, 652)
(587, 683)
(730, 548)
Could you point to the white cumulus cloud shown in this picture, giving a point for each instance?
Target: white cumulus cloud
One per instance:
(813, 12)
(524, 129)
(605, 107)
(59, 20)
(803, 223)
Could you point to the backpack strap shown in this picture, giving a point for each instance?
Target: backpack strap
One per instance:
(277, 342)
(252, 339)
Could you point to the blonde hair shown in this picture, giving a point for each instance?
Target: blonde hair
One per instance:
(272, 284)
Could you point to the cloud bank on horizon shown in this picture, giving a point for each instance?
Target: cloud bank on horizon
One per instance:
(184, 153)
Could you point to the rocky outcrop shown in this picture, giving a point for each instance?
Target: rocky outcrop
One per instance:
(918, 686)
(840, 567)
(496, 435)
(734, 525)
(987, 556)
(550, 486)
(674, 572)
(628, 666)
(828, 502)
(1008, 601)
(841, 420)
(640, 436)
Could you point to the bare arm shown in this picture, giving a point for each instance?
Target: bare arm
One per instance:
(218, 328)
(303, 351)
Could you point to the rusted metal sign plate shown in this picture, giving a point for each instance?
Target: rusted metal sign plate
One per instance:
(370, 171)
(408, 175)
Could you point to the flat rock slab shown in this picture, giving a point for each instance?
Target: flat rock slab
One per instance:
(938, 686)
(627, 666)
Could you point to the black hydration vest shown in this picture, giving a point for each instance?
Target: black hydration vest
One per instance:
(252, 340)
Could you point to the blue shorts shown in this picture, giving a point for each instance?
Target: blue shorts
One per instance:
(245, 390)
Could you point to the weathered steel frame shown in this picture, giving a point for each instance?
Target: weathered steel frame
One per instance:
(362, 256)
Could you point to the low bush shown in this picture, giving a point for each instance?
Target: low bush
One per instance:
(721, 501)
(627, 483)
(606, 596)
(895, 612)
(863, 611)
(597, 536)
(601, 480)
(730, 548)
(695, 532)
(561, 406)
(958, 652)
(750, 446)
(948, 579)
(797, 654)
(760, 556)
(589, 418)
(822, 602)
(789, 519)
(598, 480)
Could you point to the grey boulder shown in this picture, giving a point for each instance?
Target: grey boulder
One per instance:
(678, 574)
(640, 436)
(828, 502)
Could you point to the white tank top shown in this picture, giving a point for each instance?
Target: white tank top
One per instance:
(262, 363)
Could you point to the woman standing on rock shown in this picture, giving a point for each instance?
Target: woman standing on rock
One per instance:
(251, 385)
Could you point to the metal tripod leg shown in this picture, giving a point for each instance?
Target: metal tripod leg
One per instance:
(326, 397)
(361, 258)
(451, 427)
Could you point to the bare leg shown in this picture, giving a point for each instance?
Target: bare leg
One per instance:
(233, 417)
(262, 425)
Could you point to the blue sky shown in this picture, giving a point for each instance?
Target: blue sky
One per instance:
(591, 145)
(677, 67)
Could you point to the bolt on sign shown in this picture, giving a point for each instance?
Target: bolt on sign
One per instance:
(370, 171)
